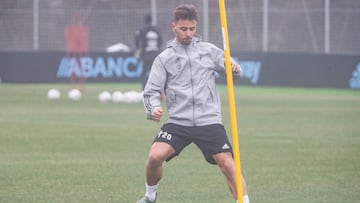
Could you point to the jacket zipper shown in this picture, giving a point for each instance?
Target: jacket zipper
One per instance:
(192, 85)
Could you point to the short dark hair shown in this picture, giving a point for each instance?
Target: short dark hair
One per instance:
(185, 12)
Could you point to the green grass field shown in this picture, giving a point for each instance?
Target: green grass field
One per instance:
(297, 145)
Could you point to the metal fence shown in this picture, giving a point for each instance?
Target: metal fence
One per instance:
(310, 26)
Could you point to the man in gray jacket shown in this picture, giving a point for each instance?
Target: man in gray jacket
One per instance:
(185, 71)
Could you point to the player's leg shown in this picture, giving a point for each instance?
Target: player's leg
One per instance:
(226, 164)
(144, 77)
(227, 167)
(216, 147)
(159, 152)
(168, 143)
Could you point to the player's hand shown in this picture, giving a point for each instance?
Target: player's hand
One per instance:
(235, 67)
(157, 114)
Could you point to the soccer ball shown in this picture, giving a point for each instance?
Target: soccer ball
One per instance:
(141, 96)
(129, 97)
(53, 94)
(117, 97)
(74, 94)
(104, 97)
(132, 97)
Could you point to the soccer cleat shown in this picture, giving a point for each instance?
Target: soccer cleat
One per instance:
(145, 200)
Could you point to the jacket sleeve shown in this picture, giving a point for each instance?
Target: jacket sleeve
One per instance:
(154, 87)
(219, 56)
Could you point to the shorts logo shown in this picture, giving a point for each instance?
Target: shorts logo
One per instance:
(164, 135)
(226, 146)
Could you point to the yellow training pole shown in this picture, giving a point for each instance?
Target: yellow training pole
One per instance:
(234, 131)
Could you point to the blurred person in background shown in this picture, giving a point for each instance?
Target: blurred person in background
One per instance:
(148, 41)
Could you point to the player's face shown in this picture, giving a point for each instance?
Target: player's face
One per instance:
(184, 31)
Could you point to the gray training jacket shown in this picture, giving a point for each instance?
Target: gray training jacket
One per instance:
(186, 73)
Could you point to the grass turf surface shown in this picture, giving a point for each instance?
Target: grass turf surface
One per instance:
(297, 145)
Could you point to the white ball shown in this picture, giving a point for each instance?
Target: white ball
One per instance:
(117, 97)
(53, 94)
(140, 96)
(132, 97)
(74, 94)
(126, 98)
(104, 97)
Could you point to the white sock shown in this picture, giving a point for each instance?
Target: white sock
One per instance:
(151, 192)
(245, 199)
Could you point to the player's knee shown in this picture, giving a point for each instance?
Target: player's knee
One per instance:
(226, 163)
(154, 160)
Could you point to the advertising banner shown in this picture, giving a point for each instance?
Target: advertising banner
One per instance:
(263, 69)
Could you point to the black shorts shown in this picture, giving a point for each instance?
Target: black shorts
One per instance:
(210, 139)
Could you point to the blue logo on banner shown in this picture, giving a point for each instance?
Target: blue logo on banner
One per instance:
(354, 82)
(250, 70)
(109, 67)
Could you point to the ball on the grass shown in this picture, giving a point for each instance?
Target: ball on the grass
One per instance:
(74, 94)
(141, 96)
(104, 97)
(117, 97)
(132, 97)
(53, 94)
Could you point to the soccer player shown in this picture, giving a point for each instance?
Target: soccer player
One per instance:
(148, 42)
(185, 71)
